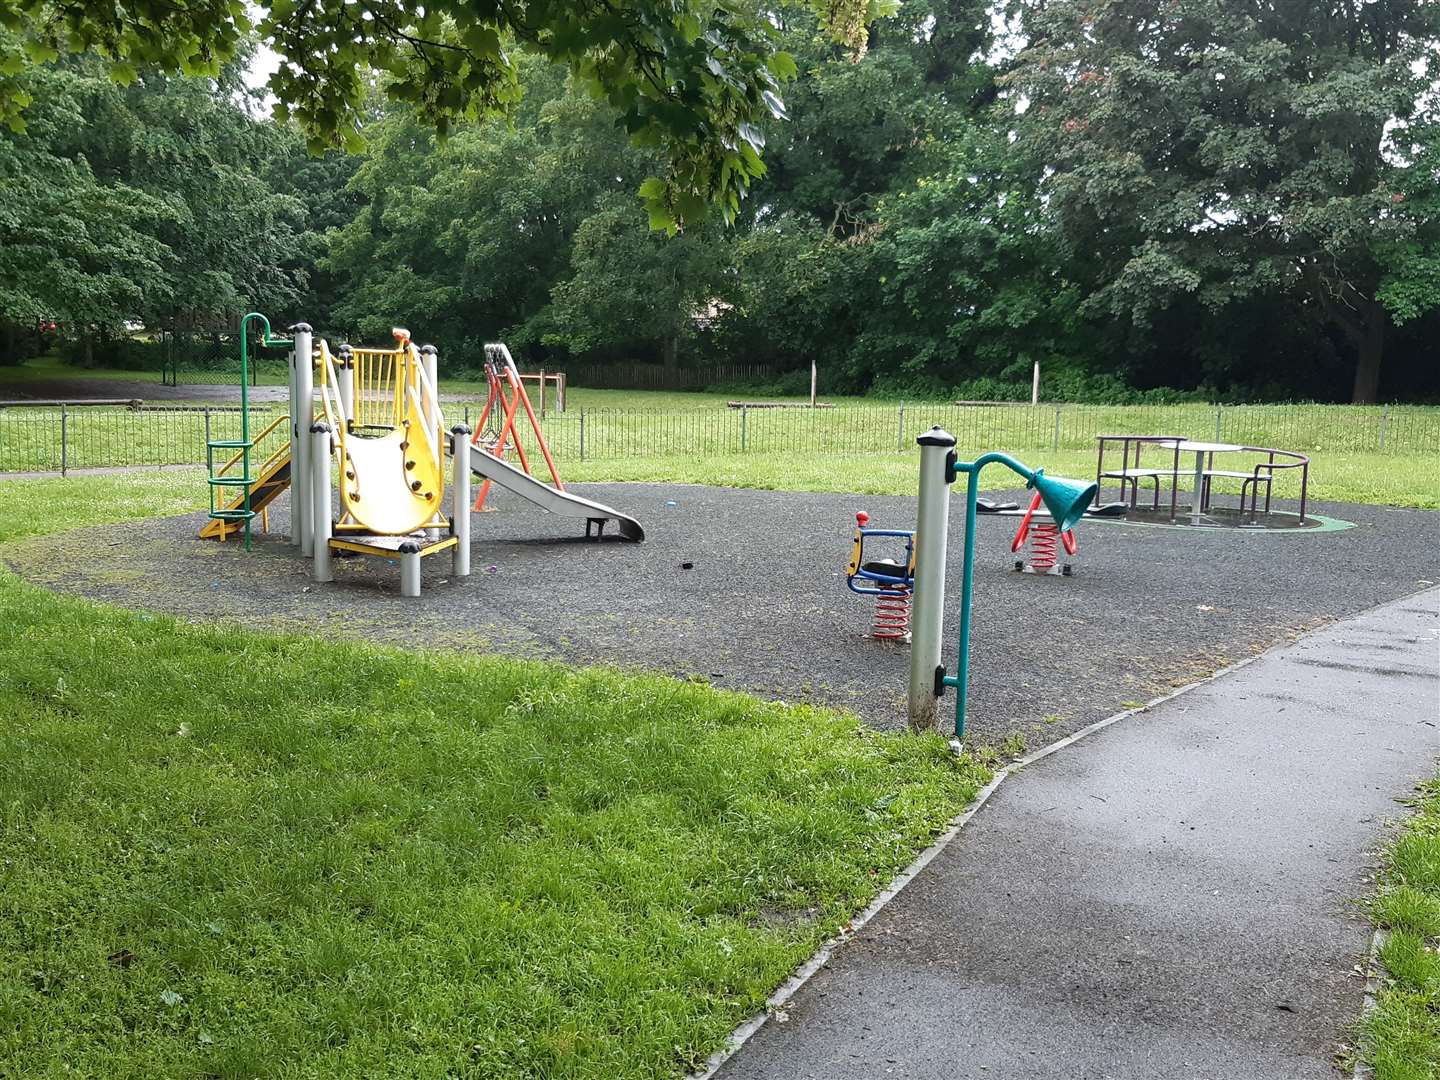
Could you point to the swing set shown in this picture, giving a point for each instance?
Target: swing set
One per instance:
(496, 430)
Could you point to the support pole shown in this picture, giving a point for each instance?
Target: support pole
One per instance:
(813, 378)
(302, 414)
(292, 396)
(345, 383)
(932, 531)
(1035, 384)
(460, 492)
(320, 486)
(431, 360)
(410, 569)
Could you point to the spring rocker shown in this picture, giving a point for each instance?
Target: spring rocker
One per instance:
(890, 581)
(1045, 539)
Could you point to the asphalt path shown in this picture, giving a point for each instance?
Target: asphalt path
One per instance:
(1174, 897)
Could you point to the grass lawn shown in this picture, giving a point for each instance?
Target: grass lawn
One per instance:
(1366, 478)
(234, 854)
(1402, 1034)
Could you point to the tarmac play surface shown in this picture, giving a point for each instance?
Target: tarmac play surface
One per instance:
(745, 589)
(1174, 897)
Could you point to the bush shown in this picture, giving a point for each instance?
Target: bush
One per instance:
(119, 353)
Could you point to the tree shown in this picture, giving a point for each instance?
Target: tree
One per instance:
(694, 77)
(1224, 150)
(631, 288)
(144, 203)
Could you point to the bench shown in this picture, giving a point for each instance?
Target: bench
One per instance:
(1262, 473)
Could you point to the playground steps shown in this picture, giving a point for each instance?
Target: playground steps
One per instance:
(273, 479)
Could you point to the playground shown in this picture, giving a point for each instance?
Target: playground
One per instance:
(535, 710)
(745, 590)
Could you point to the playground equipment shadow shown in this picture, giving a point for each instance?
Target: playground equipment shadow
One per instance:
(745, 589)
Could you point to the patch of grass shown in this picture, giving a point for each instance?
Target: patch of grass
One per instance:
(48, 505)
(1401, 1035)
(1389, 480)
(233, 854)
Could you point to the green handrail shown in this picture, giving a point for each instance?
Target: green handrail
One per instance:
(244, 512)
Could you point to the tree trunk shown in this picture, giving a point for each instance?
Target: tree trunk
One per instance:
(1369, 350)
(671, 351)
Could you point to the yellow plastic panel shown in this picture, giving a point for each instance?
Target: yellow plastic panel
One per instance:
(389, 489)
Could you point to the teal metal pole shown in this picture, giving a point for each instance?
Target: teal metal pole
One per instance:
(961, 679)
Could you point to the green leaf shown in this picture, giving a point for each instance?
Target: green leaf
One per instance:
(782, 66)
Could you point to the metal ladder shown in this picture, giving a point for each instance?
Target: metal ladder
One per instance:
(244, 513)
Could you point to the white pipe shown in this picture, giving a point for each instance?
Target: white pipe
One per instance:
(460, 492)
(932, 534)
(345, 383)
(321, 512)
(293, 398)
(301, 417)
(409, 569)
(1035, 384)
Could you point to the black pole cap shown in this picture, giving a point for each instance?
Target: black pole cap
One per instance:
(302, 327)
(428, 350)
(460, 429)
(319, 427)
(936, 436)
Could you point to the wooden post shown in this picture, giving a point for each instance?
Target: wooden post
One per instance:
(542, 393)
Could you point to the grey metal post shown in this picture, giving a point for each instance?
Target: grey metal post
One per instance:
(1219, 421)
(1055, 442)
(64, 439)
(582, 434)
(302, 414)
(744, 415)
(1384, 426)
(932, 534)
(460, 490)
(293, 397)
(320, 512)
(207, 427)
(345, 383)
(410, 568)
(900, 432)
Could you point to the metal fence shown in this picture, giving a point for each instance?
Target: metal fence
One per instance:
(76, 437)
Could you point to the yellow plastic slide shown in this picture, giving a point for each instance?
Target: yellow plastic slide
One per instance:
(392, 474)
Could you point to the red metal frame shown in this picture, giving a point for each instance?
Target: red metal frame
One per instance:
(510, 403)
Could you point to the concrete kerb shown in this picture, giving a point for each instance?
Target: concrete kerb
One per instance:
(1363, 1071)
(776, 1002)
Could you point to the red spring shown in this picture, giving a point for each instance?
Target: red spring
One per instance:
(1044, 542)
(892, 615)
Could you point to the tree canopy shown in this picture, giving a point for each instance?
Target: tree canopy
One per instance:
(694, 78)
(1196, 197)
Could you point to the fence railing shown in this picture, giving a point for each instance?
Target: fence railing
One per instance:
(70, 437)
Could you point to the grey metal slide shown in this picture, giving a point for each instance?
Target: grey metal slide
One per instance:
(544, 496)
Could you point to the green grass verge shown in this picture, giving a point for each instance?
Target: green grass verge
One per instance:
(1402, 1033)
(233, 854)
(48, 505)
(1363, 478)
